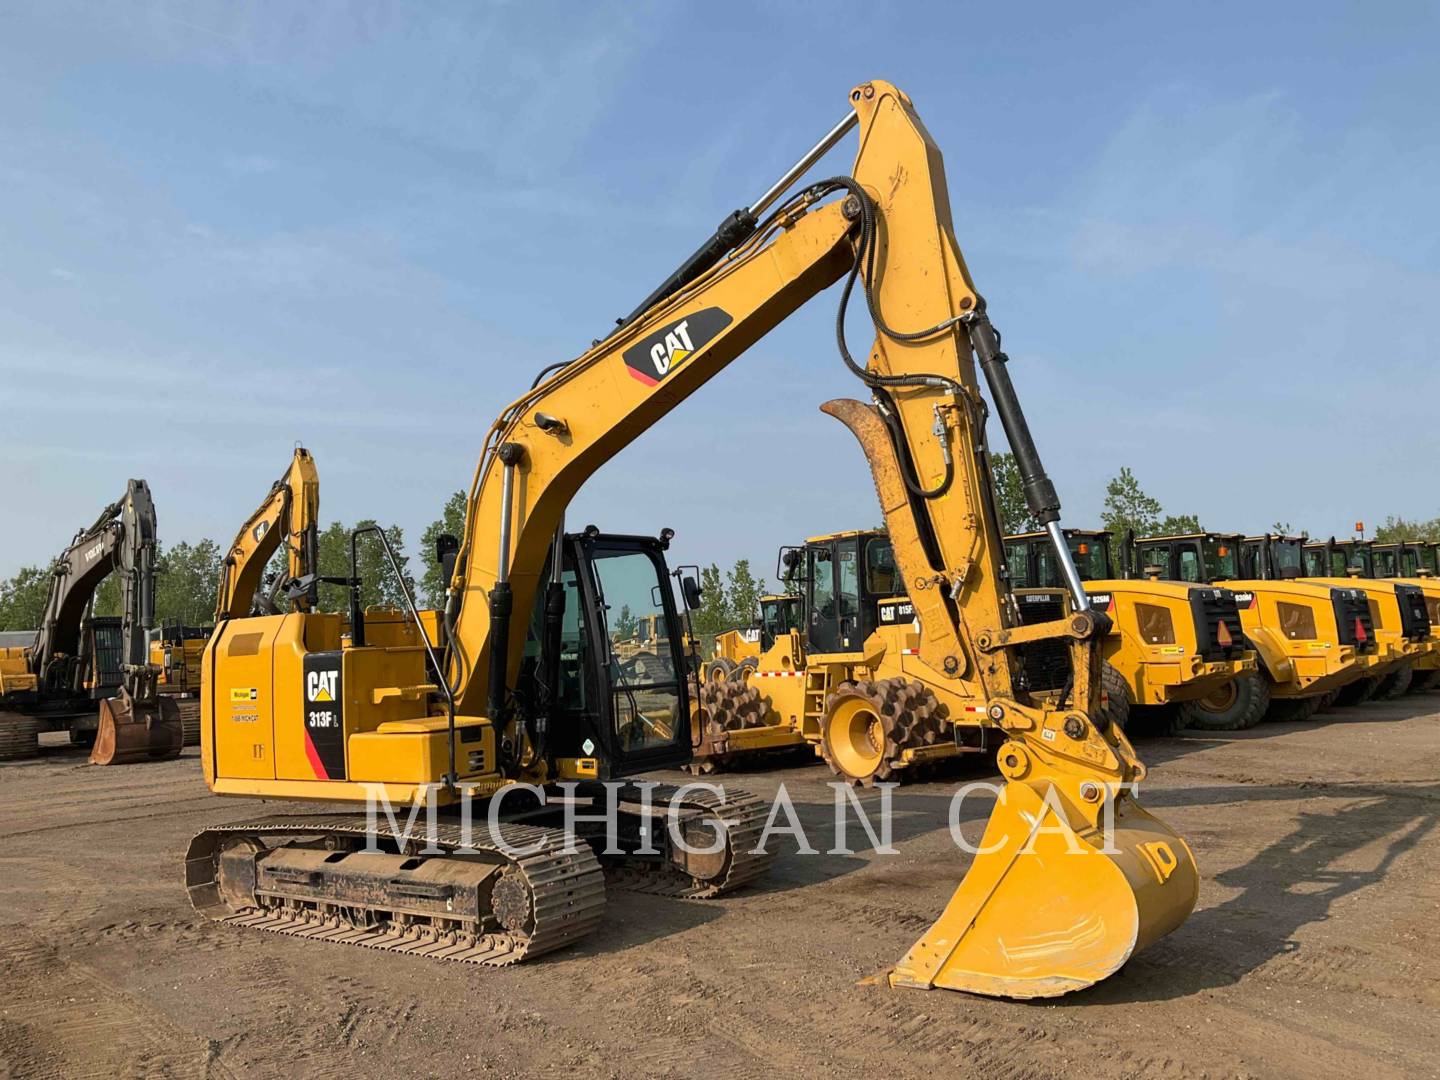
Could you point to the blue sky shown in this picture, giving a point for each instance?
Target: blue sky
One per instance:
(1208, 232)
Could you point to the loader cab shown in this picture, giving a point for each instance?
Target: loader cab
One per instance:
(1405, 559)
(1273, 557)
(846, 575)
(622, 693)
(1031, 563)
(1197, 558)
(1339, 558)
(779, 615)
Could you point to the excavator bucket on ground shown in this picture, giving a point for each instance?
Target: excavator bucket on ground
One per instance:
(1049, 906)
(131, 732)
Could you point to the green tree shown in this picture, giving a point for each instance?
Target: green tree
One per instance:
(1128, 507)
(378, 587)
(107, 596)
(186, 578)
(1178, 525)
(626, 624)
(1399, 528)
(452, 521)
(22, 598)
(1015, 516)
(713, 615)
(742, 594)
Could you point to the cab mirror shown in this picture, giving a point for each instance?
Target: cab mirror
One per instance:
(690, 589)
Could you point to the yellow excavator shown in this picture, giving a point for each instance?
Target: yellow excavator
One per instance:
(523, 688)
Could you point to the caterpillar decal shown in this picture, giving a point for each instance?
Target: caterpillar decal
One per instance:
(324, 729)
(654, 357)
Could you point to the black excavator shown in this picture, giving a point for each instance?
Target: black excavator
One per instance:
(80, 659)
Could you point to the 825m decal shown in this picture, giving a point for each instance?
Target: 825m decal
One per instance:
(660, 353)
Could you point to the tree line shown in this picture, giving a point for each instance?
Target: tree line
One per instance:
(187, 578)
(1128, 507)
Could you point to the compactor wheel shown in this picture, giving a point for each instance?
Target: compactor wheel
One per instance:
(1237, 705)
(869, 724)
(1397, 683)
(724, 707)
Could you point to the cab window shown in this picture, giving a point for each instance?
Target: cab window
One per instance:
(1287, 557)
(1017, 562)
(849, 575)
(1190, 565)
(881, 576)
(1092, 557)
(1222, 560)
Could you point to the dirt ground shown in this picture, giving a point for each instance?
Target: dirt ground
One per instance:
(1306, 955)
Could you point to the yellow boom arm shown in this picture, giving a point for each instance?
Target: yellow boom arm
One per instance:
(290, 512)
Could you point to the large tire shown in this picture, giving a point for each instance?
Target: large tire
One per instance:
(1425, 680)
(1327, 700)
(1294, 710)
(745, 669)
(1358, 692)
(1155, 720)
(1117, 696)
(717, 670)
(1238, 705)
(1396, 684)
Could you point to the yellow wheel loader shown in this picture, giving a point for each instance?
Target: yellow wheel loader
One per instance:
(1414, 609)
(1311, 638)
(80, 661)
(524, 687)
(737, 652)
(1169, 641)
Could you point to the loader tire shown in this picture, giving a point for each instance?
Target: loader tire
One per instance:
(1117, 699)
(1238, 705)
(717, 670)
(1327, 700)
(1396, 684)
(1358, 692)
(1158, 721)
(1425, 680)
(1294, 710)
(744, 669)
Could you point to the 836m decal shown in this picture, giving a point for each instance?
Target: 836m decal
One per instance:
(660, 353)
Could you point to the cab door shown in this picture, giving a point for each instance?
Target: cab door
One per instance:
(833, 596)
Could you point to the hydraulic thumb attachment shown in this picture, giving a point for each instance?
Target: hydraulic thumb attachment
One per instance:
(1072, 876)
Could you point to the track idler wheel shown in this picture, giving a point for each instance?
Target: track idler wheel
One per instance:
(870, 724)
(130, 732)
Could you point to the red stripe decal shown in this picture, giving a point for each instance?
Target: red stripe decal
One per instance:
(314, 756)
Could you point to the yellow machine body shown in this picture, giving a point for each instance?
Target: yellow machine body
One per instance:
(888, 224)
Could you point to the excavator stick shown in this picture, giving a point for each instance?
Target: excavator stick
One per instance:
(1047, 908)
(133, 731)
(1072, 876)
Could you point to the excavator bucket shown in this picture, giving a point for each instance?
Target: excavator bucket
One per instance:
(131, 732)
(1048, 906)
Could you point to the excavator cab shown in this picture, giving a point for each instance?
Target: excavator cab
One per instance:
(614, 703)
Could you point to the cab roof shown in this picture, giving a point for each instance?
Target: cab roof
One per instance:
(827, 537)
